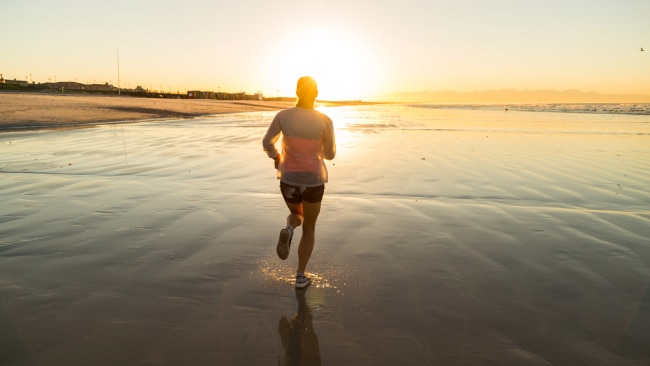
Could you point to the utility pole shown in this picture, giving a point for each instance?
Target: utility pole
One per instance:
(118, 72)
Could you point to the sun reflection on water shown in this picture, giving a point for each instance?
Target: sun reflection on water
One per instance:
(273, 272)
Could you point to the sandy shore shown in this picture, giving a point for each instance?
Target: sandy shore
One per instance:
(29, 110)
(446, 237)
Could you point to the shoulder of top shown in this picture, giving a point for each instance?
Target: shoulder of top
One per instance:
(325, 117)
(284, 112)
(319, 113)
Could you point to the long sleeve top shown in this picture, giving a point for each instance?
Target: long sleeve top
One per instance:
(307, 139)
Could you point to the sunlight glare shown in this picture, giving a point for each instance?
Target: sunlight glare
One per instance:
(334, 60)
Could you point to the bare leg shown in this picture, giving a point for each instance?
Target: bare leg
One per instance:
(296, 217)
(310, 214)
(304, 214)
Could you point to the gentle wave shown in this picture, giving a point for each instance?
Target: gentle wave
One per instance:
(613, 108)
(387, 118)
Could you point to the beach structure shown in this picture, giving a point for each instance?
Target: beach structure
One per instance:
(198, 94)
(75, 86)
(13, 82)
(107, 88)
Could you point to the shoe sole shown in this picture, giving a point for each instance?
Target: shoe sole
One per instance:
(283, 244)
(303, 285)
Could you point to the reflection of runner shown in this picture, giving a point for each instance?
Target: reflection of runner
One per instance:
(307, 139)
(299, 341)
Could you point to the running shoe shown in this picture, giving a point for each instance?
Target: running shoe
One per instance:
(302, 281)
(284, 243)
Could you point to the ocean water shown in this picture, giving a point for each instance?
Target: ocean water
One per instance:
(503, 236)
(608, 108)
(448, 235)
(503, 153)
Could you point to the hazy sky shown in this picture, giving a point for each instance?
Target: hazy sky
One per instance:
(355, 48)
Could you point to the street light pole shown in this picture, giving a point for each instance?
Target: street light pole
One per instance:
(118, 72)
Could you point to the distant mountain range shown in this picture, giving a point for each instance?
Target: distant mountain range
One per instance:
(514, 96)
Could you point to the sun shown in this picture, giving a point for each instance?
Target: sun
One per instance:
(339, 64)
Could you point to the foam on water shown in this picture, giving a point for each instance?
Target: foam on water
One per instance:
(608, 108)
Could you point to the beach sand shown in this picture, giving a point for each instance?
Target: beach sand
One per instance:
(446, 237)
(29, 110)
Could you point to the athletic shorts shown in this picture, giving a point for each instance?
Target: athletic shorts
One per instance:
(296, 194)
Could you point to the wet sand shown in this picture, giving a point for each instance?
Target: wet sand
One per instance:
(445, 238)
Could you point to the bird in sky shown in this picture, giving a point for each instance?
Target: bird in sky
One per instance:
(641, 49)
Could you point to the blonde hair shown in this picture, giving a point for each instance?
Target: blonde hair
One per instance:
(306, 89)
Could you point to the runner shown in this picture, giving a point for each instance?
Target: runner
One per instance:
(307, 139)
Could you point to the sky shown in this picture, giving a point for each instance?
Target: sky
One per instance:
(356, 49)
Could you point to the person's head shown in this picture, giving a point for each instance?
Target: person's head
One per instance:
(307, 91)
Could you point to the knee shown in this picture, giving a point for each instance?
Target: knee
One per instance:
(308, 226)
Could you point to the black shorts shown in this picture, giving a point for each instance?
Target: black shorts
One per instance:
(296, 194)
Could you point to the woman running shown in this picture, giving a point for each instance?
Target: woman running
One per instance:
(307, 139)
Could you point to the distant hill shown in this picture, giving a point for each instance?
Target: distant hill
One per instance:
(514, 97)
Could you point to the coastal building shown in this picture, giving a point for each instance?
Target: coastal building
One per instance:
(13, 82)
(106, 88)
(197, 94)
(75, 86)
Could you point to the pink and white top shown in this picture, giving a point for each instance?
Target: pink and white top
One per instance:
(307, 139)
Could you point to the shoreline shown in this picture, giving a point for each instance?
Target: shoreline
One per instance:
(21, 111)
(31, 111)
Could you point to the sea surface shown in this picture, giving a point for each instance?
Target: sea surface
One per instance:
(448, 235)
(609, 108)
